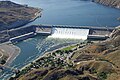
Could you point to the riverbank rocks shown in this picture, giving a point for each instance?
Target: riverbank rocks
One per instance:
(111, 3)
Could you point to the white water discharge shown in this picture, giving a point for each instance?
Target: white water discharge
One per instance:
(70, 33)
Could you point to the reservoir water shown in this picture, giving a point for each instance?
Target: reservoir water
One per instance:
(62, 12)
(74, 12)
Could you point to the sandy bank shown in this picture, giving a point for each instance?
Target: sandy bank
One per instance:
(12, 50)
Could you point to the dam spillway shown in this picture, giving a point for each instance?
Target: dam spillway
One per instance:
(69, 33)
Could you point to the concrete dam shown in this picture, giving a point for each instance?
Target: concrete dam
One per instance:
(74, 32)
(56, 31)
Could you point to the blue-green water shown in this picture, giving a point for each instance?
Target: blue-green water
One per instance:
(62, 12)
(34, 47)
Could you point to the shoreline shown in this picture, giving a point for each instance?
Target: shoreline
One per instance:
(12, 50)
(75, 46)
(12, 57)
(45, 54)
(108, 3)
(28, 15)
(20, 24)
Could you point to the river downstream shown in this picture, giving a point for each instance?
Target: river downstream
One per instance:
(62, 12)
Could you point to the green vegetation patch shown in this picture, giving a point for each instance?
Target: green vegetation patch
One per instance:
(69, 48)
(102, 75)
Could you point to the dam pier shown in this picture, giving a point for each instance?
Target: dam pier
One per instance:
(56, 31)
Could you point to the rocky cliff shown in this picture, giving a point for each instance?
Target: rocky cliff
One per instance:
(111, 3)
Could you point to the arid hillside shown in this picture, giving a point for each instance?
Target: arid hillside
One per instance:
(104, 57)
(14, 15)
